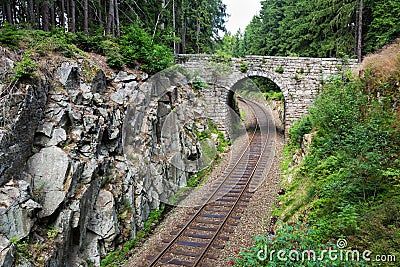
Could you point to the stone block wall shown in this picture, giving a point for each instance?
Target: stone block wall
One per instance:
(299, 79)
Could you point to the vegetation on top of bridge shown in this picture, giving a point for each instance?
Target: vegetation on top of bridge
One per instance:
(347, 184)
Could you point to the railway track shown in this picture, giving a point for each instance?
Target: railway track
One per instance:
(197, 242)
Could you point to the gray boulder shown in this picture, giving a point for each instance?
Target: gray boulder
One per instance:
(49, 170)
(59, 136)
(122, 76)
(104, 220)
(66, 70)
(17, 209)
(7, 252)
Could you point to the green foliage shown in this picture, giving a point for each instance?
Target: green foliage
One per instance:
(136, 46)
(280, 70)
(353, 149)
(347, 184)
(291, 242)
(22, 248)
(154, 218)
(25, 69)
(188, 26)
(268, 87)
(221, 57)
(199, 84)
(115, 60)
(384, 27)
(52, 233)
(232, 44)
(92, 43)
(298, 130)
(10, 36)
(253, 37)
(223, 143)
(40, 42)
(243, 67)
(111, 50)
(273, 95)
(315, 28)
(43, 43)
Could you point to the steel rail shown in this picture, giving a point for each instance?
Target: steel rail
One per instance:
(236, 202)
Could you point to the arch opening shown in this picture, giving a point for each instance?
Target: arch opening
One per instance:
(263, 90)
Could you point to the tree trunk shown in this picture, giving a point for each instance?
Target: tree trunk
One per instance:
(62, 14)
(183, 36)
(117, 26)
(100, 14)
(110, 19)
(37, 15)
(73, 16)
(9, 13)
(85, 17)
(52, 14)
(174, 24)
(198, 28)
(45, 16)
(183, 27)
(31, 12)
(360, 26)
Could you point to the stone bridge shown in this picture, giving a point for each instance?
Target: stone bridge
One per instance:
(299, 79)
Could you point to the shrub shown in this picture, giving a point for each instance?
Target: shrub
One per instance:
(280, 70)
(221, 57)
(273, 95)
(243, 67)
(291, 242)
(199, 84)
(25, 69)
(345, 177)
(115, 60)
(298, 130)
(92, 43)
(157, 59)
(136, 46)
(10, 36)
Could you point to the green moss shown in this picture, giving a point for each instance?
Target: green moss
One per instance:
(89, 71)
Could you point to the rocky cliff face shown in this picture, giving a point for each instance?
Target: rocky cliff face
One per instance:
(85, 154)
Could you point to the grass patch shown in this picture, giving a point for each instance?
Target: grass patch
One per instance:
(121, 256)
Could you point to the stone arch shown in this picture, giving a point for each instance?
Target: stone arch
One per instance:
(265, 74)
(279, 82)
